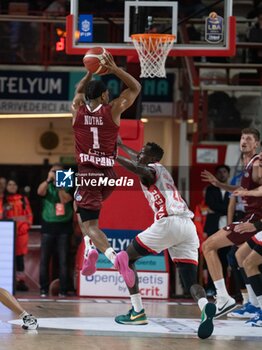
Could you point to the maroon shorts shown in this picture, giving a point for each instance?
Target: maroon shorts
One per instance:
(94, 185)
(240, 238)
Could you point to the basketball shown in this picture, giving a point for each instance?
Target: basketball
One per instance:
(93, 59)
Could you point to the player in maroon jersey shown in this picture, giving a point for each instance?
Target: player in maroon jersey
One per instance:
(249, 257)
(96, 125)
(228, 235)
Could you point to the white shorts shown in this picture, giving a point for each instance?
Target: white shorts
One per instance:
(175, 233)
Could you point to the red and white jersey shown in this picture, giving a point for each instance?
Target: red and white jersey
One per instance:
(163, 196)
(95, 136)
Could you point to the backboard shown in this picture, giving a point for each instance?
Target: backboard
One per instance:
(110, 24)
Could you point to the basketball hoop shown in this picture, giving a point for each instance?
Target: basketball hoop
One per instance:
(153, 50)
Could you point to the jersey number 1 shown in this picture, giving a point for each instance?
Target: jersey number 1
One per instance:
(95, 138)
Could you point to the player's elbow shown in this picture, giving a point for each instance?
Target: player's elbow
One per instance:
(139, 87)
(136, 89)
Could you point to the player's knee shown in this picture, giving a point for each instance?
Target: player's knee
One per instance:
(204, 246)
(248, 264)
(207, 246)
(240, 256)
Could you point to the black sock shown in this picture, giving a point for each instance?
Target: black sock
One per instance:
(188, 275)
(197, 292)
(238, 277)
(256, 284)
(243, 273)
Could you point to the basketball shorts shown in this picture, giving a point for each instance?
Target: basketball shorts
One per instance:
(239, 238)
(255, 242)
(93, 186)
(175, 233)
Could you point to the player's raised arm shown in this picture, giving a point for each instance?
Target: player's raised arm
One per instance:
(206, 176)
(130, 151)
(128, 96)
(256, 192)
(79, 98)
(143, 171)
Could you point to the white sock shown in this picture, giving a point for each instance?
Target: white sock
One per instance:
(221, 288)
(23, 314)
(202, 303)
(251, 295)
(259, 299)
(88, 245)
(136, 302)
(245, 297)
(110, 254)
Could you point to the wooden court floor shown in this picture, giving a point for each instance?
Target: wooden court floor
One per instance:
(13, 337)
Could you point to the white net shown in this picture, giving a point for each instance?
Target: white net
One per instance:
(153, 50)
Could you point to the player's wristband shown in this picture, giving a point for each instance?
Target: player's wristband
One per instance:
(258, 225)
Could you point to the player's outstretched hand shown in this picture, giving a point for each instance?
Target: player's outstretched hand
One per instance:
(206, 176)
(240, 192)
(244, 227)
(109, 63)
(78, 101)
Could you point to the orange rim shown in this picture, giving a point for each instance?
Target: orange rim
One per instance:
(154, 37)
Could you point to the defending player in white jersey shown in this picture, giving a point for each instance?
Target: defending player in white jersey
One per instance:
(172, 228)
